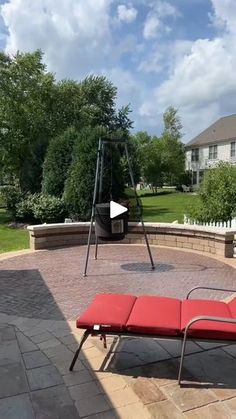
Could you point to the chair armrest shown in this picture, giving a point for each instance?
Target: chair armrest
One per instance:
(194, 320)
(210, 318)
(208, 288)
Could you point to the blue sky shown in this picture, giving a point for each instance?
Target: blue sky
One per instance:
(158, 53)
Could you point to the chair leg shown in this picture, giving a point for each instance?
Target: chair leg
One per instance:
(84, 337)
(182, 357)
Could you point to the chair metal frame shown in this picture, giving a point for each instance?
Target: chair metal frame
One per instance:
(184, 338)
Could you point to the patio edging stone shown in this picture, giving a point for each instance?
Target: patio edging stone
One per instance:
(211, 240)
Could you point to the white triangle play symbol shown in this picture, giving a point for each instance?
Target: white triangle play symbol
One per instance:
(116, 209)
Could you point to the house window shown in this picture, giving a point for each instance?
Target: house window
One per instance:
(233, 149)
(212, 152)
(194, 178)
(195, 154)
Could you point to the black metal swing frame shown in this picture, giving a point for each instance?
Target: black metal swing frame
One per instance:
(98, 192)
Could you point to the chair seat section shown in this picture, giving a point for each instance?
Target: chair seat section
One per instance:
(207, 329)
(155, 316)
(107, 312)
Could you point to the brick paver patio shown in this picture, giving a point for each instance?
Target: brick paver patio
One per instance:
(40, 295)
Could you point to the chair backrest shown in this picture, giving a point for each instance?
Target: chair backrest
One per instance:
(232, 307)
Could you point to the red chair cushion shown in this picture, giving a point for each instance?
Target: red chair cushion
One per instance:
(207, 329)
(155, 315)
(232, 307)
(108, 311)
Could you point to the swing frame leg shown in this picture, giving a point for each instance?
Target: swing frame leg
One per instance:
(138, 205)
(93, 206)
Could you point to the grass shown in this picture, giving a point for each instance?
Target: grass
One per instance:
(11, 238)
(166, 206)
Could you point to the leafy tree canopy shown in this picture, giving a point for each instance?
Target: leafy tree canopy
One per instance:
(152, 162)
(161, 159)
(26, 97)
(172, 123)
(34, 109)
(79, 186)
(57, 162)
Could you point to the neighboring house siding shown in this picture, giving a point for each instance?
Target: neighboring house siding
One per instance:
(225, 152)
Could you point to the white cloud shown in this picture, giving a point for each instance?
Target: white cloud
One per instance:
(151, 26)
(203, 75)
(163, 57)
(154, 23)
(74, 34)
(200, 80)
(165, 9)
(126, 14)
(153, 63)
(225, 14)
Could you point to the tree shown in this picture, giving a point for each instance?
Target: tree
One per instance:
(57, 162)
(34, 109)
(173, 159)
(91, 102)
(172, 123)
(217, 195)
(173, 149)
(137, 143)
(26, 95)
(79, 185)
(152, 163)
(161, 160)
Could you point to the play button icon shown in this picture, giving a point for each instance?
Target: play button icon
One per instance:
(116, 209)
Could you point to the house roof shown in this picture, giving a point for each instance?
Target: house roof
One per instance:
(223, 129)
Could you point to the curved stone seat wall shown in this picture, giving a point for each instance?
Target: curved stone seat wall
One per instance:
(212, 240)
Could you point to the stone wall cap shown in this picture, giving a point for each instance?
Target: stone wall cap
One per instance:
(207, 229)
(57, 225)
(172, 226)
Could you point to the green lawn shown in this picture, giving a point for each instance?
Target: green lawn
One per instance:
(11, 238)
(167, 206)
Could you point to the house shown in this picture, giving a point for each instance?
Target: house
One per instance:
(214, 144)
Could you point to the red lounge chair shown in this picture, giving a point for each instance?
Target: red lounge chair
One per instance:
(159, 317)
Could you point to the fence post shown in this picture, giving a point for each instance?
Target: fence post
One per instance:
(233, 223)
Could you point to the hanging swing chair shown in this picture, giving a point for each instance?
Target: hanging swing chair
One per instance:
(106, 228)
(109, 228)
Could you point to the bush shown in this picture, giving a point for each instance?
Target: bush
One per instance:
(217, 195)
(41, 208)
(2, 199)
(49, 209)
(25, 208)
(185, 178)
(12, 196)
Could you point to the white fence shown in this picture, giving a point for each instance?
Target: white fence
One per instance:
(224, 224)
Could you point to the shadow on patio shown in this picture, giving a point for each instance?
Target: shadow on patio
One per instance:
(40, 293)
(37, 344)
